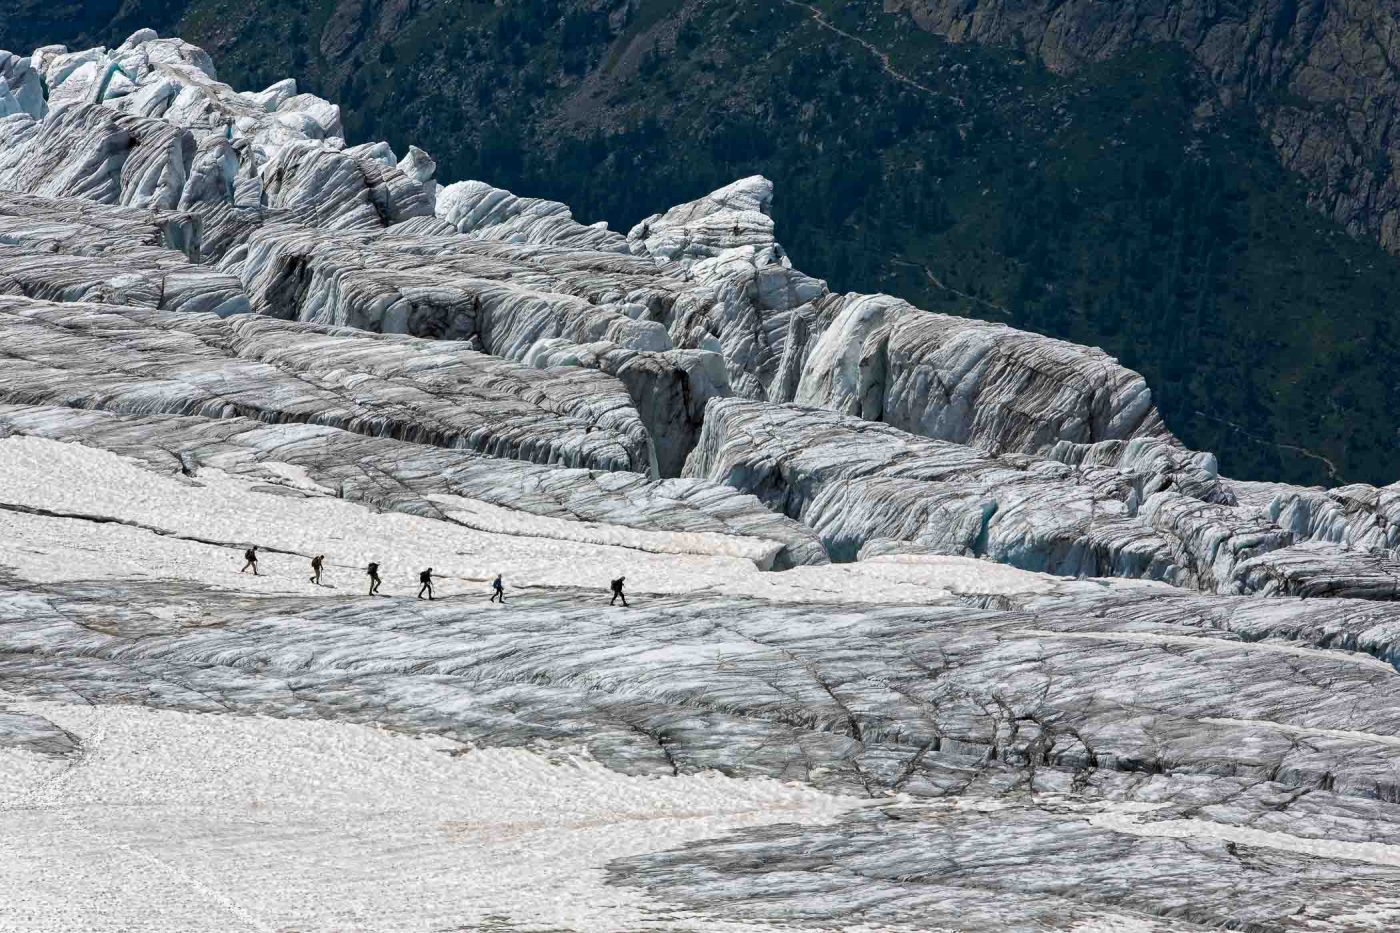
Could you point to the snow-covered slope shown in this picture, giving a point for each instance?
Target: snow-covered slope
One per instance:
(1018, 659)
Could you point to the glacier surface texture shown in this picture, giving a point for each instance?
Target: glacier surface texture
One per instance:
(933, 623)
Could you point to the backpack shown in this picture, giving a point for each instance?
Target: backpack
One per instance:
(425, 577)
(373, 570)
(250, 555)
(617, 585)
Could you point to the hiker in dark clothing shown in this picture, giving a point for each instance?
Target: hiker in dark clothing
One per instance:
(251, 558)
(617, 591)
(498, 589)
(373, 571)
(316, 568)
(426, 578)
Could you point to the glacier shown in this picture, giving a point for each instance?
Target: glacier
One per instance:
(934, 623)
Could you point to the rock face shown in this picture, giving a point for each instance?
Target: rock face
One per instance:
(1322, 76)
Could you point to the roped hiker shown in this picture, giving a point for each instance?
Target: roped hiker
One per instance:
(426, 578)
(250, 558)
(373, 571)
(498, 589)
(316, 568)
(617, 591)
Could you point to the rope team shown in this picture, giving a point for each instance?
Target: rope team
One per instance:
(425, 579)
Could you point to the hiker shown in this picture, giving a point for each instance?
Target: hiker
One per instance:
(617, 591)
(316, 568)
(251, 558)
(426, 578)
(373, 571)
(498, 590)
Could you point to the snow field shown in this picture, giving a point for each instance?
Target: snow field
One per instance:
(173, 821)
(117, 520)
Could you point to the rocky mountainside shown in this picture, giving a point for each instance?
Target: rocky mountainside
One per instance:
(957, 583)
(1321, 76)
(1200, 190)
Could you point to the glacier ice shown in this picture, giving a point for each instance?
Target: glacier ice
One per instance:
(1133, 515)
(960, 573)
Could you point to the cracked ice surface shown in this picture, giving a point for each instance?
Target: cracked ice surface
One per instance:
(400, 369)
(149, 125)
(144, 361)
(864, 485)
(1085, 692)
(1039, 867)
